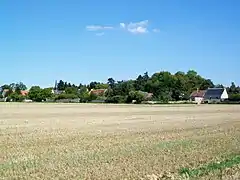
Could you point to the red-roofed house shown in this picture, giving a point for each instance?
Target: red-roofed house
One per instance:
(197, 96)
(24, 93)
(98, 92)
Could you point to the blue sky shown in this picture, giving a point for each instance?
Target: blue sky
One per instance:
(82, 41)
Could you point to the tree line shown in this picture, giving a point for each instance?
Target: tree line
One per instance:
(163, 86)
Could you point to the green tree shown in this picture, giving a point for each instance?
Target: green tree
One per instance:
(135, 95)
(35, 94)
(206, 83)
(5, 86)
(21, 86)
(234, 97)
(66, 96)
(46, 93)
(111, 82)
(83, 94)
(16, 97)
(101, 86)
(61, 85)
(71, 90)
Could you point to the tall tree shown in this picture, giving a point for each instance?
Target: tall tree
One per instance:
(61, 85)
(111, 82)
(21, 86)
(35, 94)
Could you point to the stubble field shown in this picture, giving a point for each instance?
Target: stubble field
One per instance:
(88, 141)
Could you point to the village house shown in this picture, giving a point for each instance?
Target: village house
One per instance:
(215, 95)
(24, 93)
(197, 96)
(147, 96)
(98, 92)
(57, 92)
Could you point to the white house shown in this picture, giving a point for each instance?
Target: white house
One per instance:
(197, 96)
(215, 95)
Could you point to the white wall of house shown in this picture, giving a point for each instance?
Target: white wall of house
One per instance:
(224, 94)
(198, 99)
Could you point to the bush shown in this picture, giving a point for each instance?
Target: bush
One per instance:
(116, 99)
(135, 95)
(16, 97)
(66, 96)
(234, 97)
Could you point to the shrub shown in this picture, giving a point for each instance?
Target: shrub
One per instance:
(234, 97)
(66, 96)
(116, 99)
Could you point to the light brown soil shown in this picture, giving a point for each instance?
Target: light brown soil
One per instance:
(114, 118)
(92, 141)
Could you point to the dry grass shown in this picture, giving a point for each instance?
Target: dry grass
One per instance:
(65, 141)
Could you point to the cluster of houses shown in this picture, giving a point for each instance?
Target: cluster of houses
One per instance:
(4, 93)
(211, 95)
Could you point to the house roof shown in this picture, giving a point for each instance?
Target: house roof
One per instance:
(98, 91)
(198, 93)
(24, 93)
(214, 93)
(146, 94)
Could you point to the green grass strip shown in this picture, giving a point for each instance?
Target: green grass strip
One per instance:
(206, 169)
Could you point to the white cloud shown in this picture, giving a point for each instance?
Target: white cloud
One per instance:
(98, 27)
(138, 30)
(122, 25)
(156, 30)
(136, 27)
(100, 34)
(140, 27)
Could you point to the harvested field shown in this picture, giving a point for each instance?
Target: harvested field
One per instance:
(88, 141)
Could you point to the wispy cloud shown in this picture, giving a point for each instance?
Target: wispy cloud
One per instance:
(141, 27)
(98, 27)
(156, 30)
(100, 34)
(136, 27)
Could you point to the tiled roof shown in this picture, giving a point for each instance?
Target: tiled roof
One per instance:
(24, 93)
(199, 93)
(98, 92)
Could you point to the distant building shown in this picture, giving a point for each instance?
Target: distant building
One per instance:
(197, 96)
(215, 95)
(57, 92)
(4, 92)
(147, 96)
(98, 92)
(24, 93)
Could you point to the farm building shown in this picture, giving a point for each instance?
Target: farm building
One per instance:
(215, 95)
(197, 96)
